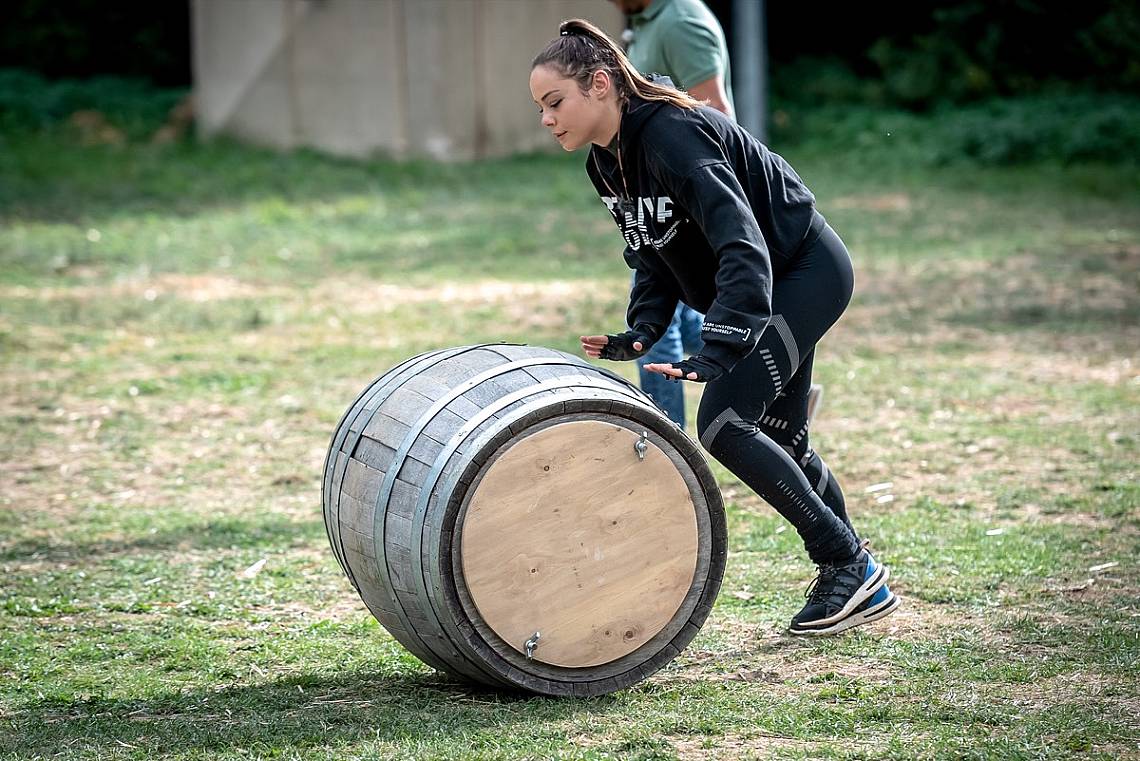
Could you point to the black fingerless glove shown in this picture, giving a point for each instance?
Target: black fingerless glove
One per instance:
(707, 369)
(619, 346)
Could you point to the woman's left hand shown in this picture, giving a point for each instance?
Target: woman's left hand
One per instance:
(666, 369)
(696, 368)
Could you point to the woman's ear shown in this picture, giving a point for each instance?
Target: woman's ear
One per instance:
(601, 84)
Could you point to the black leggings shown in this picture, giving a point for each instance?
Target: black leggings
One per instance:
(754, 420)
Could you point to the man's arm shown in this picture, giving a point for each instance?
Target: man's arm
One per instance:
(696, 59)
(712, 90)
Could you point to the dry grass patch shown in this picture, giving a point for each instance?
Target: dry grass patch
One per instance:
(760, 745)
(920, 621)
(199, 288)
(934, 301)
(894, 202)
(1080, 687)
(375, 296)
(768, 654)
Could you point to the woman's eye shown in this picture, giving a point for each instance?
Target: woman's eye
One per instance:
(555, 104)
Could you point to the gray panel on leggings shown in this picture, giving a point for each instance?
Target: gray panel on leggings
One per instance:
(785, 332)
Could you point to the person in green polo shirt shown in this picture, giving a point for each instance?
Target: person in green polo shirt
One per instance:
(682, 40)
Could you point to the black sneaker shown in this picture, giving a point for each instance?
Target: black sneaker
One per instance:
(843, 596)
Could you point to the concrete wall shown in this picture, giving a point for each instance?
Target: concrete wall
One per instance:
(441, 78)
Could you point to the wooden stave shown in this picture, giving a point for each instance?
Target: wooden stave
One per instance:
(413, 413)
(379, 598)
(340, 434)
(446, 655)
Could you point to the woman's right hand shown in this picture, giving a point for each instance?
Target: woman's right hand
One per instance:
(616, 346)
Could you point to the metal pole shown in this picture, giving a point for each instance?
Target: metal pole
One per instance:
(750, 66)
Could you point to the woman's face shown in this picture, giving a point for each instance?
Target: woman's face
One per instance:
(573, 117)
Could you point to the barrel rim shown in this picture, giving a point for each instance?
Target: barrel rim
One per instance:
(656, 652)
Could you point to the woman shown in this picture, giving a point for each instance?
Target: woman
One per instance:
(712, 218)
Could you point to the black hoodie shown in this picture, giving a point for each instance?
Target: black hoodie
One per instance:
(709, 215)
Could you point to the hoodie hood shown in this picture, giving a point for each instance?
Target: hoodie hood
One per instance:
(637, 110)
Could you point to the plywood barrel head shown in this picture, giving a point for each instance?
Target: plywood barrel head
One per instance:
(572, 534)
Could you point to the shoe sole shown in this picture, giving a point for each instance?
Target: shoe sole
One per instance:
(862, 594)
(884, 609)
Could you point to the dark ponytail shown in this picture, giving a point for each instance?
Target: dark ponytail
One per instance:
(580, 49)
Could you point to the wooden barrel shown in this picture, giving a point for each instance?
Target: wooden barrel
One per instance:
(518, 517)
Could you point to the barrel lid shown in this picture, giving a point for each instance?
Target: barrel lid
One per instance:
(583, 533)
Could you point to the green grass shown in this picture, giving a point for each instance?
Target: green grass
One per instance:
(181, 327)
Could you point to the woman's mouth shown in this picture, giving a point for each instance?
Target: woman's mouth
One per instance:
(559, 135)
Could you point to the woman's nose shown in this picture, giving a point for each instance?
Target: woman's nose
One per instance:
(547, 120)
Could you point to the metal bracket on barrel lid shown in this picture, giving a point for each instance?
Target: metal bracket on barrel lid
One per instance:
(531, 644)
(640, 447)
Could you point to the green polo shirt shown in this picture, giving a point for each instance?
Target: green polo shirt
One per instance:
(682, 40)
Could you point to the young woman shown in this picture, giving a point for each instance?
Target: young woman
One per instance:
(714, 219)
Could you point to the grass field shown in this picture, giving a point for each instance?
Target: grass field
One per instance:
(181, 327)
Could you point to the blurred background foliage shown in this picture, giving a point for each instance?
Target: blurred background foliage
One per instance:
(925, 55)
(941, 82)
(79, 39)
(892, 52)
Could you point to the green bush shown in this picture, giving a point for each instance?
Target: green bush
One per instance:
(1067, 129)
(28, 101)
(810, 80)
(999, 132)
(79, 39)
(922, 55)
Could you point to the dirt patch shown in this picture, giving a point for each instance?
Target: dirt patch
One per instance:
(376, 296)
(344, 608)
(917, 620)
(770, 654)
(367, 296)
(759, 745)
(198, 288)
(884, 202)
(865, 670)
(222, 458)
(1080, 687)
(1097, 587)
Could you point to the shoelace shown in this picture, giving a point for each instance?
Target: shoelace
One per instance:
(827, 583)
(814, 593)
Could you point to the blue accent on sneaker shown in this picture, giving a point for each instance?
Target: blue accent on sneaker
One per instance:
(878, 598)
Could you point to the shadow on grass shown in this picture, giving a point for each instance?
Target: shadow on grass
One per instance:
(218, 534)
(297, 712)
